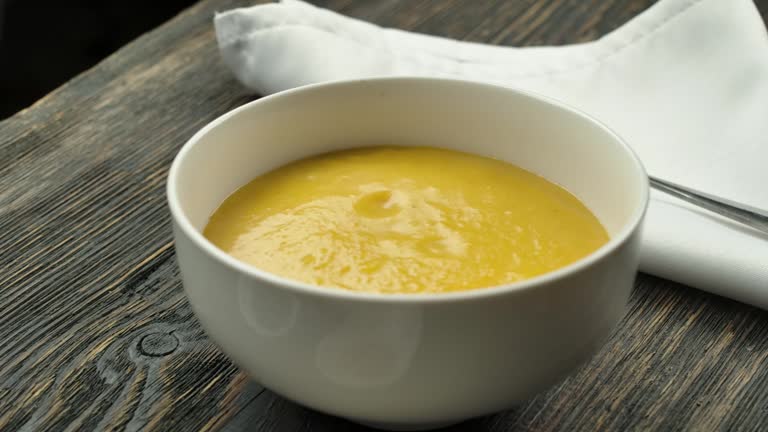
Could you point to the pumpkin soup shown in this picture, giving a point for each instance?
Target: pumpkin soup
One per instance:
(404, 220)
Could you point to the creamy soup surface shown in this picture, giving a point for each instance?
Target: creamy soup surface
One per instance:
(404, 220)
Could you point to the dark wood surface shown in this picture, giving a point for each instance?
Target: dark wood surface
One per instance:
(96, 334)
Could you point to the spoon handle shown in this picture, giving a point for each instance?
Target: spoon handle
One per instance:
(746, 215)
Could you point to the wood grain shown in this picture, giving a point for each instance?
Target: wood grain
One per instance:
(97, 335)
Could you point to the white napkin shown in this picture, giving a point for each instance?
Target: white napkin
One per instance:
(685, 83)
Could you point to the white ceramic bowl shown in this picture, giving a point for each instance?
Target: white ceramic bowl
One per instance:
(408, 361)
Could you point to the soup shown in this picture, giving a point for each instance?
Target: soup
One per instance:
(404, 220)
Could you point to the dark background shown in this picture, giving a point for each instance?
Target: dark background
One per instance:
(43, 43)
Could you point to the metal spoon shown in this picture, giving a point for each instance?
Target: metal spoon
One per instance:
(744, 214)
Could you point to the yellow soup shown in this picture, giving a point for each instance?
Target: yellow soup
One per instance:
(404, 220)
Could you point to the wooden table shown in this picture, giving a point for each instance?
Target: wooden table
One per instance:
(95, 331)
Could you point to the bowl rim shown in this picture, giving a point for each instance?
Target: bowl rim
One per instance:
(208, 248)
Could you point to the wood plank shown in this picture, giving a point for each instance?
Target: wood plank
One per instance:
(88, 277)
(97, 332)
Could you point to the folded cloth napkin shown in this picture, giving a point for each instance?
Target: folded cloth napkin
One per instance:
(685, 83)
